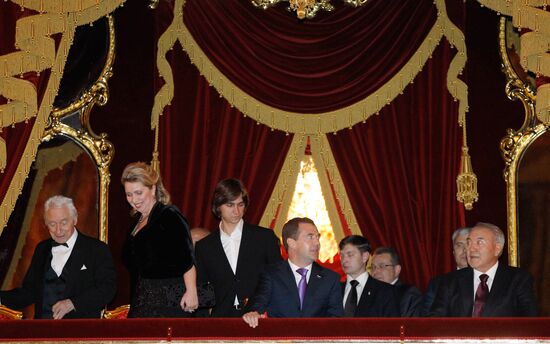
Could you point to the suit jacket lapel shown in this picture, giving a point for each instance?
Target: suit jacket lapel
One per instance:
(290, 282)
(466, 290)
(315, 278)
(219, 252)
(497, 289)
(365, 301)
(244, 250)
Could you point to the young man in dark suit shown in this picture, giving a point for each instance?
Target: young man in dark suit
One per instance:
(364, 296)
(299, 287)
(487, 288)
(233, 256)
(71, 275)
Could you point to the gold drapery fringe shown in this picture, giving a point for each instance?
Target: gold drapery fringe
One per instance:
(37, 53)
(309, 124)
(293, 122)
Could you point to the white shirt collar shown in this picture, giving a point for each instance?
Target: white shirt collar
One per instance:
(72, 239)
(236, 234)
(297, 276)
(491, 273)
(362, 279)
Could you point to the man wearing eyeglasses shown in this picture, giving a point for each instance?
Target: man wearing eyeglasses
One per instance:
(364, 296)
(386, 267)
(487, 288)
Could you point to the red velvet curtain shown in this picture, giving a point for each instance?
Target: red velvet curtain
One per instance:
(309, 66)
(204, 140)
(400, 176)
(399, 168)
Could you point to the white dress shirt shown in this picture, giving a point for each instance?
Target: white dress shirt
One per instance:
(362, 279)
(231, 244)
(60, 254)
(297, 275)
(491, 273)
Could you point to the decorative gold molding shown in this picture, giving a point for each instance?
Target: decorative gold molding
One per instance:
(44, 163)
(514, 144)
(37, 54)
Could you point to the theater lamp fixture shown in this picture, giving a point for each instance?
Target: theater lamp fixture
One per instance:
(305, 8)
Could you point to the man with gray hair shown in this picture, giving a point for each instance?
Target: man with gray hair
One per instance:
(71, 275)
(486, 288)
(459, 253)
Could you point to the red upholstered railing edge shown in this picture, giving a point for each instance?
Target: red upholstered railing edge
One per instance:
(307, 329)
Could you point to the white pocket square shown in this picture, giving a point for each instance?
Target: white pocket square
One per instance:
(83, 268)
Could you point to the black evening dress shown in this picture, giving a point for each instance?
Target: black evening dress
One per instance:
(157, 257)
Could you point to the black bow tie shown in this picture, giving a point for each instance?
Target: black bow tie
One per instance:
(55, 244)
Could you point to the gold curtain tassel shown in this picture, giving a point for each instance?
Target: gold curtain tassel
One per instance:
(466, 182)
(155, 163)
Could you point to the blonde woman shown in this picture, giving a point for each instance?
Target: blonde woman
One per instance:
(159, 250)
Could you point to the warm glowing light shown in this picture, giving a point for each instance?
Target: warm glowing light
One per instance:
(308, 201)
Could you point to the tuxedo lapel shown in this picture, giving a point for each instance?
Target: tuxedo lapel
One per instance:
(72, 267)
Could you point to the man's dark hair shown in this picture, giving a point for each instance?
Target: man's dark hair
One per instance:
(356, 240)
(392, 252)
(227, 191)
(290, 229)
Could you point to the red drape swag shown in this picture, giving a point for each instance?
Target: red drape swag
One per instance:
(16, 136)
(204, 140)
(401, 175)
(309, 66)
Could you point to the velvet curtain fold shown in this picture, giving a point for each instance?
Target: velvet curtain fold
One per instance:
(204, 140)
(309, 66)
(399, 168)
(401, 175)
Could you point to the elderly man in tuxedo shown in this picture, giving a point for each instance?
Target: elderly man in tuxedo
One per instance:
(487, 288)
(71, 275)
(298, 287)
(364, 296)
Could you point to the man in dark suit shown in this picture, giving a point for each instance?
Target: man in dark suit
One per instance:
(71, 275)
(459, 253)
(486, 288)
(364, 296)
(233, 256)
(298, 287)
(386, 267)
